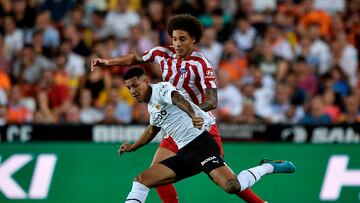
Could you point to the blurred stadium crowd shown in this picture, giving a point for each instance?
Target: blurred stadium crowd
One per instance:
(277, 61)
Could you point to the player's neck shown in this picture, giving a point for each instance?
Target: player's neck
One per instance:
(148, 94)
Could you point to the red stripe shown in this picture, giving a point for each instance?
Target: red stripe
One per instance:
(204, 68)
(161, 53)
(188, 89)
(178, 73)
(162, 66)
(198, 84)
(169, 73)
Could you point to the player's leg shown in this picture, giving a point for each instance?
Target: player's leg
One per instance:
(247, 195)
(167, 148)
(157, 174)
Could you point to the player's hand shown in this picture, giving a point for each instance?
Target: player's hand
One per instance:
(125, 147)
(198, 122)
(98, 62)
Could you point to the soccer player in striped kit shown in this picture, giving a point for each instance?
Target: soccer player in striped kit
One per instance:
(191, 73)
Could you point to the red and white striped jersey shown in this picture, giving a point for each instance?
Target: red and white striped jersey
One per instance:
(190, 75)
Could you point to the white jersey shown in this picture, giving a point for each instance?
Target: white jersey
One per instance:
(174, 121)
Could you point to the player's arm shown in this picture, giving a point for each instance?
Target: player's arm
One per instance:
(126, 60)
(211, 99)
(183, 104)
(148, 135)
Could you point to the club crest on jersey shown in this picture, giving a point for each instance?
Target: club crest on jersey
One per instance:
(157, 106)
(183, 72)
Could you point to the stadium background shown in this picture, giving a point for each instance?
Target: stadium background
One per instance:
(289, 87)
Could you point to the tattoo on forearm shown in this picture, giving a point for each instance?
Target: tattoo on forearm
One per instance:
(182, 103)
(210, 102)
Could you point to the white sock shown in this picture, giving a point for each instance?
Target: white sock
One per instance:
(249, 177)
(138, 193)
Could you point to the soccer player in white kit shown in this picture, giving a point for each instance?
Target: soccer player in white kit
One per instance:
(198, 152)
(191, 73)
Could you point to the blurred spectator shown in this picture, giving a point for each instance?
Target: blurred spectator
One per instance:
(220, 21)
(345, 56)
(72, 33)
(319, 49)
(109, 116)
(96, 81)
(43, 113)
(13, 38)
(339, 81)
(248, 114)
(140, 113)
(122, 14)
(232, 61)
(269, 63)
(137, 40)
(314, 17)
(50, 33)
(352, 110)
(24, 12)
(75, 64)
(5, 82)
(17, 110)
(5, 62)
(281, 103)
(38, 44)
(157, 15)
(124, 93)
(88, 113)
(260, 5)
(330, 6)
(307, 80)
(3, 109)
(244, 34)
(332, 104)
(315, 114)
(280, 46)
(229, 97)
(98, 26)
(29, 67)
(58, 8)
(72, 115)
(123, 111)
(211, 48)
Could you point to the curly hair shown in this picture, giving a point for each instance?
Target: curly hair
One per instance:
(185, 22)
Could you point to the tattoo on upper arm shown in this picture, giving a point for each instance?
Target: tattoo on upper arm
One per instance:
(210, 102)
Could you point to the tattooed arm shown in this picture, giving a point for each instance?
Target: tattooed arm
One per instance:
(211, 100)
(184, 105)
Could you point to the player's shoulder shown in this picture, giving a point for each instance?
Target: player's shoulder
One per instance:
(200, 57)
(166, 49)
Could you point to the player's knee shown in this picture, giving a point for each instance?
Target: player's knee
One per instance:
(142, 178)
(232, 186)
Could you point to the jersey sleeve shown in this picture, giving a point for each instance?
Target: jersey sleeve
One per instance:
(149, 56)
(207, 74)
(164, 92)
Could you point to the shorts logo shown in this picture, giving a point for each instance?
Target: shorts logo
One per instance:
(213, 159)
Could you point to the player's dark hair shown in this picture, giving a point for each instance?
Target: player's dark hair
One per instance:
(185, 22)
(133, 72)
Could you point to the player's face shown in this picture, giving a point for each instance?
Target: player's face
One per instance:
(183, 43)
(138, 88)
